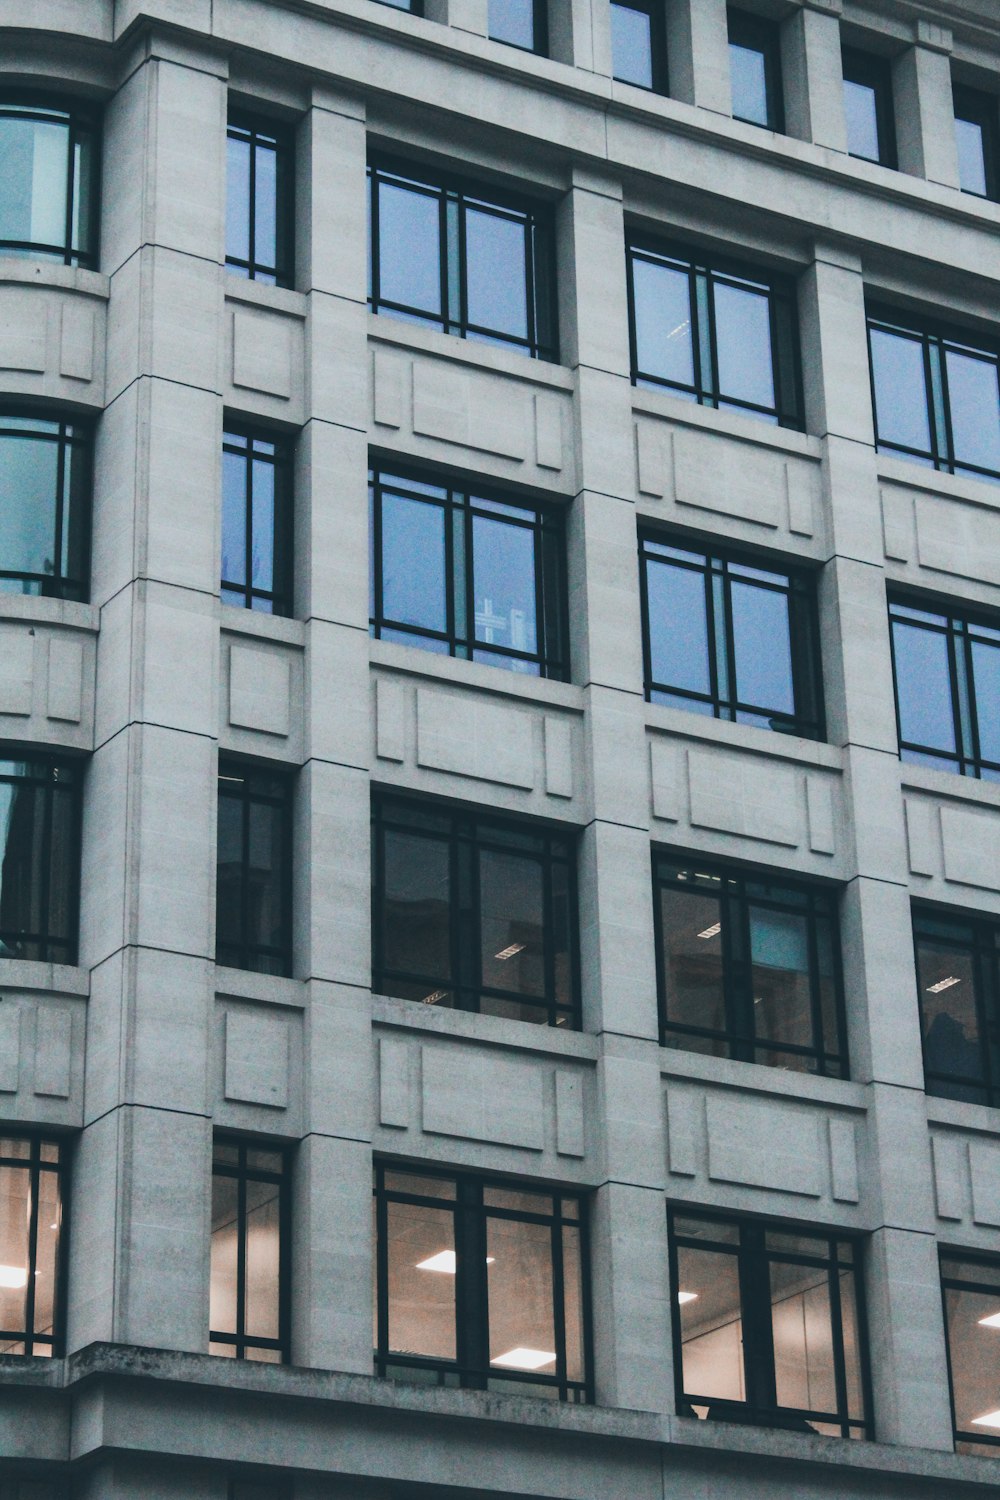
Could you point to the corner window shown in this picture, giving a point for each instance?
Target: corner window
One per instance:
(468, 573)
(32, 1198)
(259, 220)
(475, 264)
(755, 70)
(519, 23)
(254, 874)
(480, 1284)
(39, 859)
(946, 667)
(48, 180)
(249, 1301)
(977, 136)
(748, 967)
(970, 1286)
(936, 394)
(868, 107)
(473, 913)
(639, 43)
(44, 507)
(958, 985)
(730, 640)
(723, 337)
(256, 522)
(769, 1326)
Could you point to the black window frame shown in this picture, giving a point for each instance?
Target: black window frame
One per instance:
(936, 340)
(737, 888)
(243, 953)
(659, 63)
(959, 630)
(242, 1173)
(471, 1369)
(35, 1163)
(539, 30)
(257, 441)
(467, 830)
(982, 109)
(460, 507)
(978, 935)
(704, 272)
(874, 72)
(83, 120)
(967, 1442)
(803, 615)
(73, 435)
(262, 132)
(758, 34)
(45, 770)
(754, 1260)
(408, 7)
(538, 218)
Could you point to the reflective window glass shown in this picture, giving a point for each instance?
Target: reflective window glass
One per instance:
(974, 405)
(44, 507)
(259, 207)
(496, 290)
(409, 248)
(958, 989)
(898, 376)
(632, 45)
(519, 23)
(862, 120)
(32, 1193)
(923, 686)
(256, 523)
(248, 1317)
(762, 648)
(977, 136)
(972, 1324)
(664, 343)
(743, 335)
(755, 70)
(47, 180)
(868, 107)
(39, 859)
(947, 685)
(253, 873)
(971, 157)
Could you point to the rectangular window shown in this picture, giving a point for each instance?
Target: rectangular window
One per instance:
(639, 43)
(755, 70)
(769, 1326)
(748, 967)
(259, 213)
(480, 1284)
(49, 179)
(970, 1286)
(721, 336)
(468, 572)
(958, 985)
(249, 1300)
(977, 136)
(868, 107)
(520, 23)
(45, 507)
(473, 913)
(731, 640)
(39, 859)
(256, 522)
(936, 395)
(471, 263)
(946, 667)
(254, 879)
(32, 1197)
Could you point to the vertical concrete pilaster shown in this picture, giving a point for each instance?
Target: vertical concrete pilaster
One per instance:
(698, 49)
(814, 84)
(925, 108)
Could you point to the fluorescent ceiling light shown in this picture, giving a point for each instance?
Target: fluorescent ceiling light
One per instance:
(988, 1419)
(526, 1359)
(993, 1321)
(943, 984)
(434, 997)
(683, 1297)
(444, 1261)
(712, 931)
(509, 952)
(13, 1276)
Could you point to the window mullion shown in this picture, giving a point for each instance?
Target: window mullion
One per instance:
(837, 1334)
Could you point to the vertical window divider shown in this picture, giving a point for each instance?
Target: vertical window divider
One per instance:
(556, 1230)
(837, 1332)
(34, 1190)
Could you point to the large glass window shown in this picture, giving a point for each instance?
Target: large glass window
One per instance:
(936, 394)
(480, 1284)
(256, 522)
(769, 1326)
(476, 264)
(725, 638)
(473, 913)
(45, 477)
(39, 859)
(468, 572)
(958, 984)
(249, 1300)
(259, 214)
(520, 23)
(639, 43)
(977, 136)
(722, 337)
(48, 180)
(868, 107)
(254, 873)
(947, 674)
(755, 70)
(748, 967)
(970, 1284)
(32, 1195)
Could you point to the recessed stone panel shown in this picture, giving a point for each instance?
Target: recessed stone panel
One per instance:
(482, 1098)
(256, 1058)
(476, 738)
(764, 1145)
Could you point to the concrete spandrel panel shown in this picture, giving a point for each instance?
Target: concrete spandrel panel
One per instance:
(759, 800)
(47, 678)
(53, 1051)
(10, 1047)
(76, 343)
(65, 681)
(22, 337)
(923, 840)
(480, 1098)
(984, 1170)
(971, 843)
(256, 1059)
(950, 1163)
(267, 352)
(260, 685)
(961, 540)
(394, 1082)
(16, 670)
(469, 737)
(765, 1145)
(52, 338)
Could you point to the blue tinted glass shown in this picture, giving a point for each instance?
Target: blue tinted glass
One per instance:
(34, 162)
(504, 584)
(743, 338)
(862, 120)
(238, 199)
(748, 81)
(497, 288)
(266, 207)
(900, 390)
(409, 248)
(778, 940)
(663, 343)
(678, 628)
(763, 648)
(29, 480)
(234, 518)
(632, 46)
(971, 157)
(974, 404)
(262, 555)
(414, 588)
(923, 687)
(513, 21)
(986, 680)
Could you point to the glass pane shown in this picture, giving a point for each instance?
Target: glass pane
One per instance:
(263, 1260)
(414, 585)
(708, 1292)
(986, 681)
(900, 390)
(225, 1246)
(416, 922)
(58, 919)
(971, 157)
(693, 959)
(974, 406)
(14, 1207)
(748, 77)
(763, 648)
(923, 687)
(779, 954)
(265, 876)
(265, 247)
(421, 1270)
(946, 980)
(678, 627)
(664, 348)
(409, 248)
(519, 1289)
(573, 1302)
(828, 989)
(504, 584)
(34, 163)
(632, 45)
(21, 866)
(47, 1244)
(512, 914)
(743, 338)
(803, 1338)
(238, 199)
(862, 120)
(29, 490)
(496, 290)
(513, 21)
(974, 1346)
(234, 517)
(851, 1327)
(83, 192)
(262, 555)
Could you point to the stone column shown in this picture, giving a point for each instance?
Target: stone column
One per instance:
(698, 52)
(925, 107)
(813, 78)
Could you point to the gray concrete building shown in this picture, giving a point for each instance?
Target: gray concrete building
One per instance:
(500, 765)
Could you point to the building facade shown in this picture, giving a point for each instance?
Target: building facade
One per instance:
(500, 766)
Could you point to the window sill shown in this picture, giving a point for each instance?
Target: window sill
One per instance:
(24, 271)
(948, 784)
(260, 626)
(681, 724)
(55, 979)
(787, 440)
(261, 294)
(916, 476)
(411, 661)
(983, 1119)
(36, 610)
(383, 328)
(268, 989)
(520, 1036)
(760, 1079)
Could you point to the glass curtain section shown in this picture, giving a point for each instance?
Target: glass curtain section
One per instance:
(48, 180)
(971, 1290)
(946, 670)
(256, 523)
(639, 44)
(254, 874)
(958, 988)
(45, 482)
(259, 212)
(32, 1191)
(39, 859)
(249, 1298)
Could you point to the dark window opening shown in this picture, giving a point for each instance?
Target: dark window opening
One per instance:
(259, 211)
(45, 507)
(755, 70)
(249, 1305)
(520, 23)
(639, 43)
(256, 522)
(49, 180)
(970, 1289)
(977, 136)
(958, 987)
(869, 108)
(946, 669)
(32, 1209)
(39, 858)
(254, 879)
